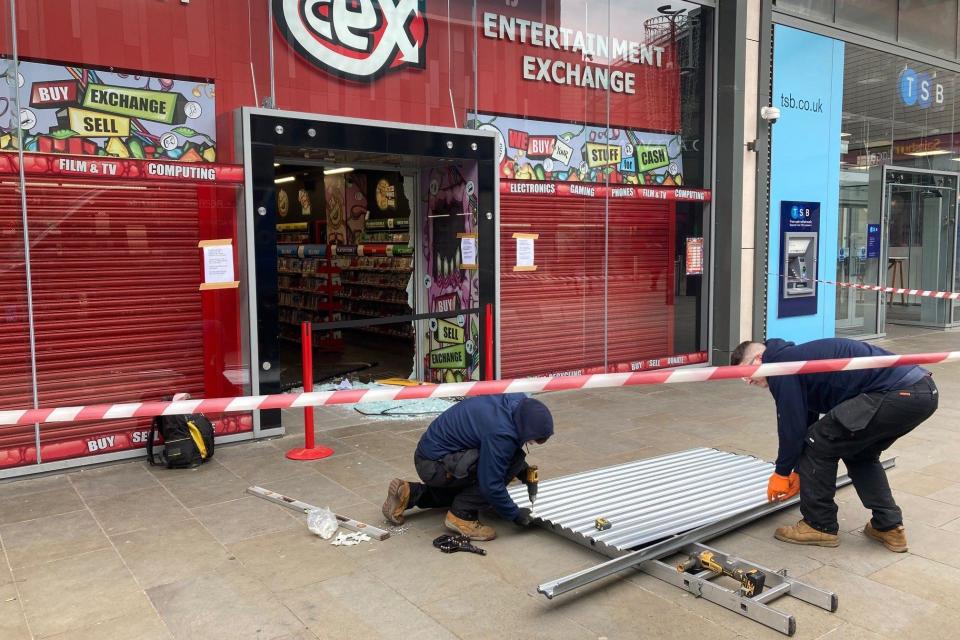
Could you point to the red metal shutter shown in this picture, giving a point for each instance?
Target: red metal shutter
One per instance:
(15, 380)
(552, 319)
(115, 272)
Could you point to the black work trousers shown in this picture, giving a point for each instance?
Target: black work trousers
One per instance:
(442, 489)
(829, 440)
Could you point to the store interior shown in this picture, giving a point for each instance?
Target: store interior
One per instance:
(356, 237)
(335, 206)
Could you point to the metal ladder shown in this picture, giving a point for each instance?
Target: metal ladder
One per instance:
(777, 584)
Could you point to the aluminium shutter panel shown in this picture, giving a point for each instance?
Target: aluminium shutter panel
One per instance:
(552, 319)
(115, 272)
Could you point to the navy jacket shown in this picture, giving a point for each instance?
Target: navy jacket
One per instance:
(801, 399)
(486, 423)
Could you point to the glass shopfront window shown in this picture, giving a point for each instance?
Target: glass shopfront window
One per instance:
(898, 116)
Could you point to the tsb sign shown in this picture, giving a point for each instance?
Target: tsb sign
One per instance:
(356, 39)
(919, 89)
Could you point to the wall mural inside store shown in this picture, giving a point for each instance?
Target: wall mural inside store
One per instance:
(530, 149)
(360, 40)
(453, 352)
(93, 112)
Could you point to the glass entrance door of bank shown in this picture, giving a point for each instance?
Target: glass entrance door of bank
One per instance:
(897, 228)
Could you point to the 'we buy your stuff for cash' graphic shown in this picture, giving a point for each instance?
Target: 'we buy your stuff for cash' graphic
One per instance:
(84, 111)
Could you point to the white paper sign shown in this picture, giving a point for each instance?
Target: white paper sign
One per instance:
(468, 251)
(218, 264)
(524, 252)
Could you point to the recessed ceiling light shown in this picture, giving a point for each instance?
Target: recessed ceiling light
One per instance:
(284, 179)
(330, 172)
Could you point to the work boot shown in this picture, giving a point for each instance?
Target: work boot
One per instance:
(398, 496)
(803, 533)
(895, 539)
(473, 529)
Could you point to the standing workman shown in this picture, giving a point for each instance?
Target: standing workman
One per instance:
(467, 457)
(863, 412)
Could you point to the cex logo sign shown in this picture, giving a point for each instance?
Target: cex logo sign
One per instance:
(356, 39)
(919, 89)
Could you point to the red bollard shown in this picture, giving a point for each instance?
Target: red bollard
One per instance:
(309, 451)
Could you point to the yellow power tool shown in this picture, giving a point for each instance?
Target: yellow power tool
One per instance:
(751, 580)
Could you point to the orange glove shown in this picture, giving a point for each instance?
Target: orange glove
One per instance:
(782, 487)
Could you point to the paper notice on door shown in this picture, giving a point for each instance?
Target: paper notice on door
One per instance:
(468, 250)
(218, 265)
(525, 251)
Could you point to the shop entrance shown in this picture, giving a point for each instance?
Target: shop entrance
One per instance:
(897, 227)
(381, 237)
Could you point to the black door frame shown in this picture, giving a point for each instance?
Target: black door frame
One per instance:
(263, 130)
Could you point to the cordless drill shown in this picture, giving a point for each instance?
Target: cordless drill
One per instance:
(532, 481)
(751, 580)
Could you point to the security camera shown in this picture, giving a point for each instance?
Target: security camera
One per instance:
(770, 114)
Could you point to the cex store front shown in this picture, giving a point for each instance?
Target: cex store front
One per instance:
(446, 191)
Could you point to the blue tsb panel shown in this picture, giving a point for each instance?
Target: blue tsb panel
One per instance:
(805, 166)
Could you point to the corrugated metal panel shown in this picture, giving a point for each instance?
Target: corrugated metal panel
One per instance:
(116, 305)
(651, 499)
(552, 319)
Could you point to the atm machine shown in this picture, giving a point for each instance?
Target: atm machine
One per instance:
(799, 244)
(800, 264)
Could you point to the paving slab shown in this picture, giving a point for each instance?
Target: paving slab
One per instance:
(111, 482)
(13, 624)
(30, 506)
(170, 551)
(52, 538)
(625, 609)
(225, 605)
(25, 486)
(880, 608)
(75, 592)
(207, 484)
(928, 579)
(244, 518)
(143, 624)
(358, 605)
(137, 510)
(294, 558)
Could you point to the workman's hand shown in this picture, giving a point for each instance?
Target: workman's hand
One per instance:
(779, 487)
(794, 486)
(523, 519)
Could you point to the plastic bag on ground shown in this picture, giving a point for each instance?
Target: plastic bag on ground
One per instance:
(322, 522)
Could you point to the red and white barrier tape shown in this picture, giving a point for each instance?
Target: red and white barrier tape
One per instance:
(456, 389)
(924, 293)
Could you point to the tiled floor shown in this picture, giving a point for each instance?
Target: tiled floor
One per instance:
(133, 552)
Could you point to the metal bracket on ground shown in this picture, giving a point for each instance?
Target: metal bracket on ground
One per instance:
(303, 507)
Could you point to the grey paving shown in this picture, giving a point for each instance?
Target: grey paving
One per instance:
(128, 551)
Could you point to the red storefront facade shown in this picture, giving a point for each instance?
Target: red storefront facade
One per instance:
(599, 112)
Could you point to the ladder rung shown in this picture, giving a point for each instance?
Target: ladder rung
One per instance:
(772, 593)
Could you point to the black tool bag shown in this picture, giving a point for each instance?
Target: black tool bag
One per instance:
(187, 441)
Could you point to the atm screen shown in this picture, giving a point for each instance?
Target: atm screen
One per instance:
(798, 246)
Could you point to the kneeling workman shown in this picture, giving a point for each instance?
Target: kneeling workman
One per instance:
(866, 410)
(467, 457)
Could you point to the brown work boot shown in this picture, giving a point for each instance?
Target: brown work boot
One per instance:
(895, 539)
(398, 495)
(473, 529)
(802, 533)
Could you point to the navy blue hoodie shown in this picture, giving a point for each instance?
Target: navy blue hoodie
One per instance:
(801, 399)
(490, 424)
